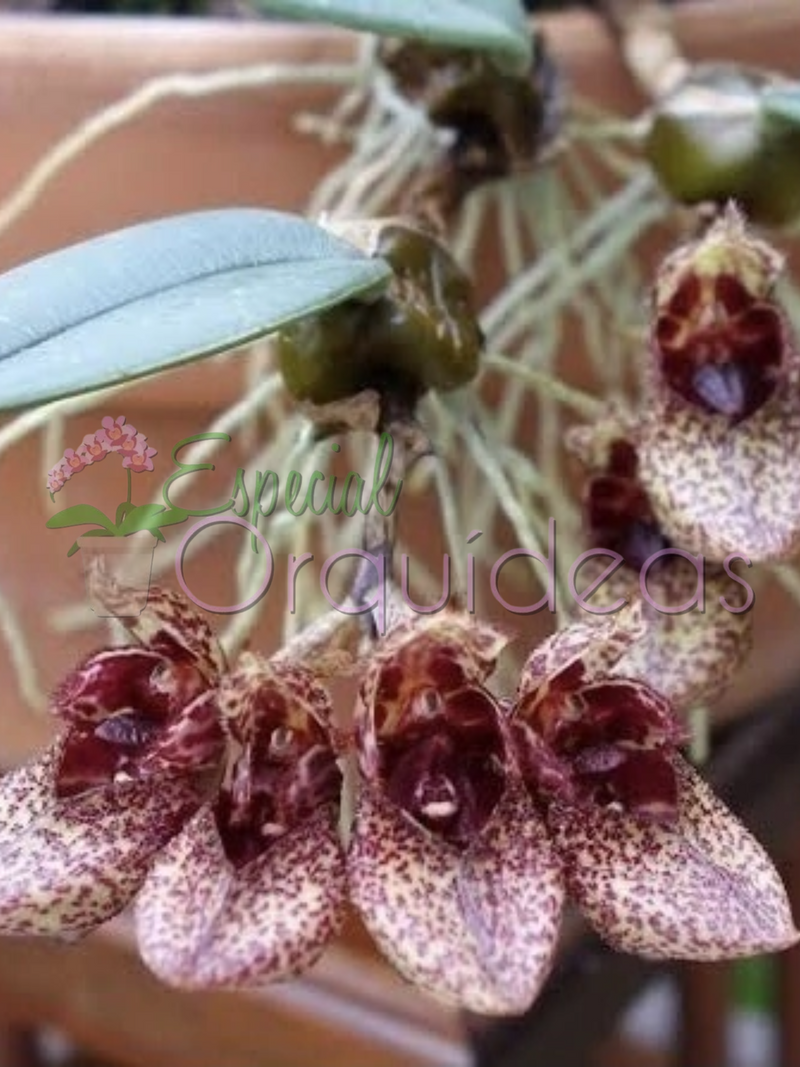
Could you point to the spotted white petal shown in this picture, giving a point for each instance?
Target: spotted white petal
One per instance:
(69, 865)
(202, 923)
(476, 928)
(27, 792)
(581, 651)
(690, 657)
(718, 488)
(701, 889)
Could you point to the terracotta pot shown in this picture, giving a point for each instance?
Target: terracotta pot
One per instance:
(242, 149)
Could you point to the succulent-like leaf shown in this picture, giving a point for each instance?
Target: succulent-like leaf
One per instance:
(700, 889)
(202, 923)
(476, 928)
(498, 28)
(69, 865)
(161, 293)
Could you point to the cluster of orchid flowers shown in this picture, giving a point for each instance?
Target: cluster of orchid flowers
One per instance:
(114, 435)
(241, 813)
(705, 466)
(211, 793)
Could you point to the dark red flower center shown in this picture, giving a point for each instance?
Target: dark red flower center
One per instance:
(444, 762)
(613, 740)
(134, 713)
(286, 769)
(719, 347)
(618, 513)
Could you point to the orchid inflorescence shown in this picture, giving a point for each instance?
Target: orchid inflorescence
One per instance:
(241, 811)
(211, 794)
(115, 435)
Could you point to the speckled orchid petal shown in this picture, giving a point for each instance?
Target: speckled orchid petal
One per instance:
(69, 865)
(203, 923)
(113, 680)
(259, 876)
(719, 488)
(169, 624)
(476, 928)
(581, 651)
(689, 657)
(701, 888)
(27, 792)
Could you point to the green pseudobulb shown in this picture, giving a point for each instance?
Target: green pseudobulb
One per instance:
(421, 334)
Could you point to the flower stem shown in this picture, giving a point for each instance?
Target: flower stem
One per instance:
(130, 486)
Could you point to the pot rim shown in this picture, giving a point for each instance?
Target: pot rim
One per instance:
(118, 544)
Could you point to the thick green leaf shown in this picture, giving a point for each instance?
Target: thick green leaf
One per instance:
(498, 27)
(171, 518)
(151, 517)
(78, 515)
(165, 292)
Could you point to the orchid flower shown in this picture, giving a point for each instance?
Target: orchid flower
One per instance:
(476, 821)
(115, 431)
(214, 794)
(139, 752)
(253, 889)
(140, 459)
(56, 478)
(94, 445)
(652, 858)
(450, 865)
(718, 449)
(686, 655)
(75, 461)
(135, 443)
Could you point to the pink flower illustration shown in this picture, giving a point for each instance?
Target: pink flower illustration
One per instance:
(74, 462)
(129, 445)
(56, 479)
(140, 461)
(94, 445)
(115, 431)
(132, 448)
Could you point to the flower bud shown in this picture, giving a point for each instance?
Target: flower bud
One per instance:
(421, 334)
(730, 134)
